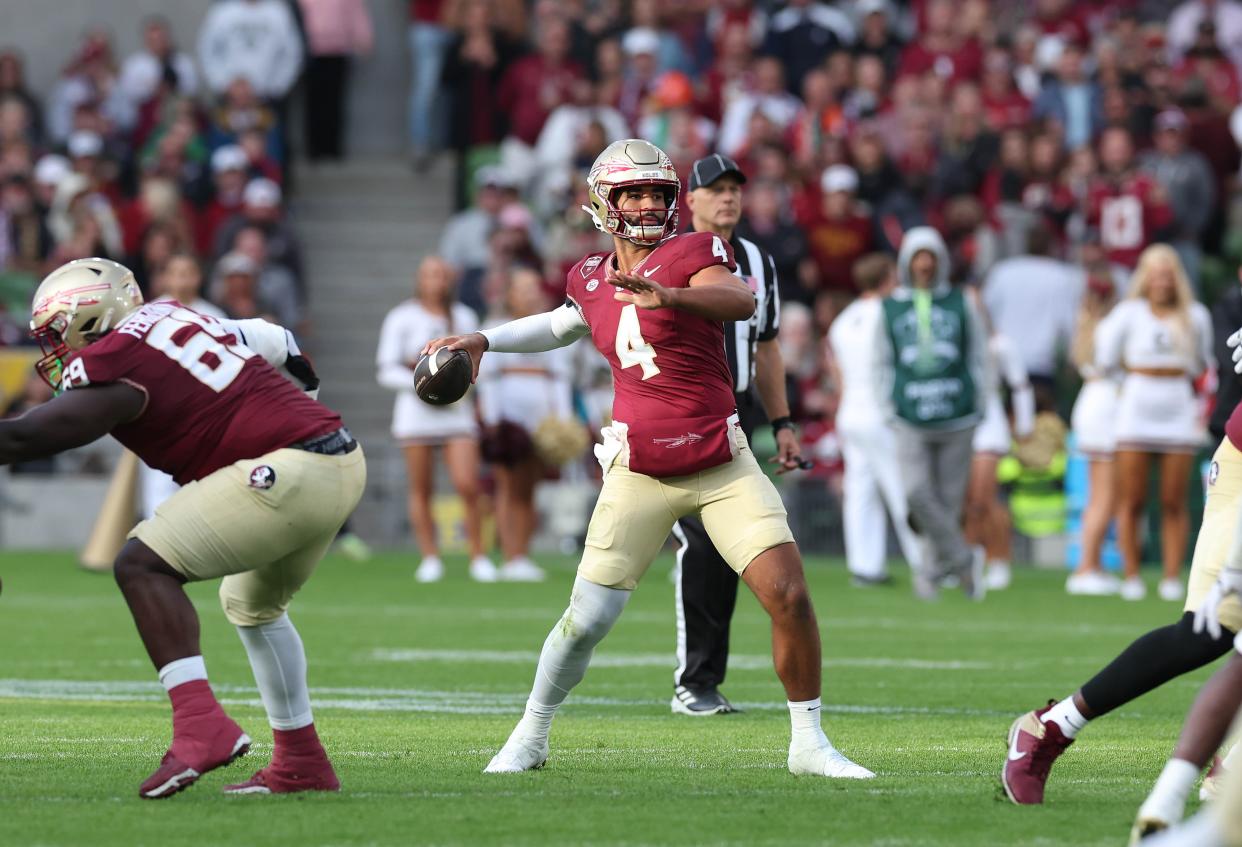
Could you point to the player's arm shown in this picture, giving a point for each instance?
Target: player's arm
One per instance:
(74, 418)
(770, 384)
(534, 334)
(714, 293)
(278, 347)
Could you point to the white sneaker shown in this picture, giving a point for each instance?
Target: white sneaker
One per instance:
(521, 569)
(999, 576)
(1092, 584)
(824, 760)
(1171, 590)
(482, 569)
(431, 569)
(520, 753)
(1133, 588)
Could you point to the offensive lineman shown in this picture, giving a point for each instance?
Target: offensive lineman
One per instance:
(654, 308)
(268, 475)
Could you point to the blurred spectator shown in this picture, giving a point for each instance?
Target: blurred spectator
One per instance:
(531, 89)
(240, 110)
(641, 47)
(48, 172)
(940, 48)
(159, 62)
(669, 53)
(336, 30)
(973, 244)
(967, 147)
(158, 201)
(563, 131)
(16, 122)
(768, 98)
(181, 279)
(430, 42)
(767, 224)
(82, 222)
(839, 233)
(1128, 206)
(1004, 106)
(1032, 300)
(24, 238)
(228, 167)
(1071, 100)
(803, 33)
(157, 244)
(254, 40)
(178, 151)
(821, 116)
(1187, 181)
(464, 242)
(13, 84)
(876, 36)
(87, 81)
(275, 284)
(235, 288)
(1186, 20)
(261, 208)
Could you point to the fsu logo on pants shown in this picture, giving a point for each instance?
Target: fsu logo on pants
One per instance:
(263, 477)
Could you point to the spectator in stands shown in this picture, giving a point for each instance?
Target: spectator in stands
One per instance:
(768, 224)
(968, 148)
(159, 62)
(1004, 106)
(81, 221)
(670, 53)
(236, 288)
(240, 110)
(24, 239)
(181, 279)
(940, 48)
(275, 284)
(1128, 206)
(158, 242)
(1187, 181)
(803, 33)
(1186, 20)
(1072, 100)
(420, 428)
(13, 84)
(48, 172)
(768, 97)
(228, 167)
(1162, 337)
(839, 233)
(261, 208)
(876, 37)
(254, 40)
(561, 134)
(820, 117)
(179, 152)
(531, 89)
(336, 31)
(158, 201)
(642, 68)
(16, 124)
(430, 43)
(1093, 422)
(88, 80)
(464, 243)
(1032, 300)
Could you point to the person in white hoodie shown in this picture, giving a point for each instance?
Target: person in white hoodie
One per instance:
(254, 39)
(931, 374)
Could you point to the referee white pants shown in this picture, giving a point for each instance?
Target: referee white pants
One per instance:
(871, 484)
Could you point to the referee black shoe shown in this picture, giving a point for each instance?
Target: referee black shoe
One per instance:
(700, 704)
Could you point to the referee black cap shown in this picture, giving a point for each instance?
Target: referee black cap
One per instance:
(711, 168)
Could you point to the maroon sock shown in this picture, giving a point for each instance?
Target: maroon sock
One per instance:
(193, 699)
(296, 744)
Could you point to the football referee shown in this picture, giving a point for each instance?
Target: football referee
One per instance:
(707, 587)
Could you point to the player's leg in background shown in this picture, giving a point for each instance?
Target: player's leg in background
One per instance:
(461, 455)
(1175, 475)
(632, 518)
(1132, 470)
(704, 597)
(517, 520)
(420, 475)
(951, 464)
(1205, 730)
(880, 449)
(1090, 576)
(862, 514)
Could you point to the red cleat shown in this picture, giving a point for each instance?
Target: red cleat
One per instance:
(200, 748)
(289, 778)
(1033, 747)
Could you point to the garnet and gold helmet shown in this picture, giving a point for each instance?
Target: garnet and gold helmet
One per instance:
(624, 164)
(77, 304)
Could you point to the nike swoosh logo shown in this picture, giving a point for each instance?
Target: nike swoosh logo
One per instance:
(653, 270)
(1018, 757)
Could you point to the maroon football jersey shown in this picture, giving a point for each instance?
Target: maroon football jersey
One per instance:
(211, 401)
(666, 363)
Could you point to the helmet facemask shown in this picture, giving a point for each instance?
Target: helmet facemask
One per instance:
(624, 165)
(56, 352)
(628, 224)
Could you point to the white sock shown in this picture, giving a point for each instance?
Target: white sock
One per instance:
(279, 664)
(804, 718)
(593, 609)
(1066, 715)
(182, 671)
(1168, 797)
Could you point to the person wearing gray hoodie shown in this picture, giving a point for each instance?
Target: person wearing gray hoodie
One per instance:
(930, 375)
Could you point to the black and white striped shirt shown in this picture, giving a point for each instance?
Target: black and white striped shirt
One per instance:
(755, 268)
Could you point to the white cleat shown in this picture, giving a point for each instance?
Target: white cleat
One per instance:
(521, 569)
(431, 569)
(1092, 584)
(519, 754)
(999, 577)
(1133, 589)
(825, 761)
(1171, 590)
(482, 569)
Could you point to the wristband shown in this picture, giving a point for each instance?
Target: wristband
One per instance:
(487, 342)
(785, 422)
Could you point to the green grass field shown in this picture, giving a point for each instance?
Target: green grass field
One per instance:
(417, 686)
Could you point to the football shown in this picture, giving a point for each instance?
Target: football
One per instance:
(443, 376)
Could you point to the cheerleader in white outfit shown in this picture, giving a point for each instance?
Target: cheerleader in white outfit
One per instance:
(987, 521)
(420, 428)
(1093, 421)
(518, 392)
(1162, 337)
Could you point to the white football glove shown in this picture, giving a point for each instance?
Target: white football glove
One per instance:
(1235, 341)
(1207, 616)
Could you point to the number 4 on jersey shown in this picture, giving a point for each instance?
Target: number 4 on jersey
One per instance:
(631, 348)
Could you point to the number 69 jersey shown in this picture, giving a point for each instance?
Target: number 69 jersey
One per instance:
(666, 363)
(211, 401)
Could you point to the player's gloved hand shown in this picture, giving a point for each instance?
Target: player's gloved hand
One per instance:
(788, 452)
(475, 344)
(1207, 616)
(1235, 341)
(640, 291)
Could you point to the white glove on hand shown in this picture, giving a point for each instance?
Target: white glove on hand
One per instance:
(1207, 616)
(1235, 341)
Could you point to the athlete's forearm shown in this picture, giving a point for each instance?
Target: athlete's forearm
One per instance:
(537, 333)
(770, 380)
(721, 301)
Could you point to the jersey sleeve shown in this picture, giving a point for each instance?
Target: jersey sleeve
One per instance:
(106, 361)
(701, 250)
